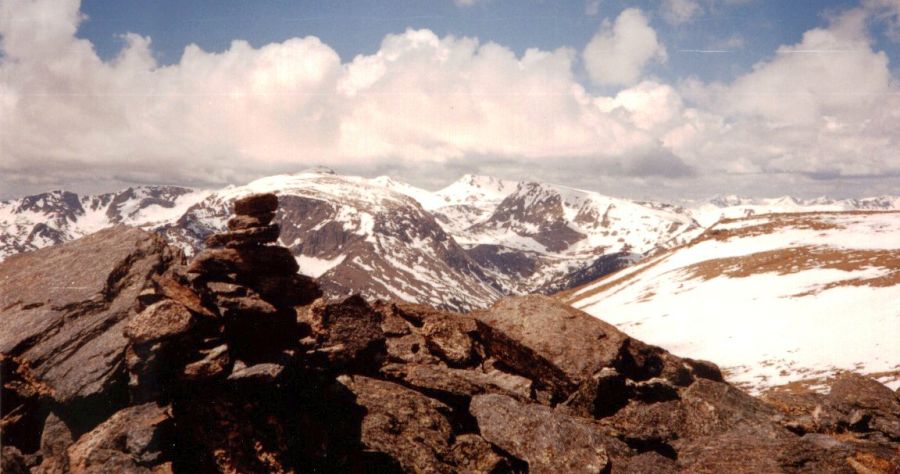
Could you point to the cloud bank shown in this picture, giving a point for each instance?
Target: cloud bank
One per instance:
(827, 107)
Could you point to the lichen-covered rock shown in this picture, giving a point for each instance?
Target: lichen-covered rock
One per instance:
(347, 334)
(550, 442)
(402, 423)
(162, 320)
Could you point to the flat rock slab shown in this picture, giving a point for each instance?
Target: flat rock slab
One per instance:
(246, 222)
(63, 308)
(574, 341)
(248, 261)
(256, 204)
(251, 236)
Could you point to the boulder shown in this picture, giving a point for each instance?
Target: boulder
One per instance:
(163, 320)
(402, 423)
(63, 311)
(347, 334)
(450, 337)
(549, 441)
(256, 204)
(576, 342)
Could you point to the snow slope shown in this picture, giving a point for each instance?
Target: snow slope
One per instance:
(772, 299)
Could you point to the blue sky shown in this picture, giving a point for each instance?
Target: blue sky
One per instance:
(647, 99)
(357, 27)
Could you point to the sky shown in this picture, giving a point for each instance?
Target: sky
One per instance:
(660, 99)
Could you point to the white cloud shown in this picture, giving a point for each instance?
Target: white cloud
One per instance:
(677, 12)
(617, 54)
(827, 106)
(592, 7)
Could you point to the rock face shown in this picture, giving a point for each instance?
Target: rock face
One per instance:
(233, 363)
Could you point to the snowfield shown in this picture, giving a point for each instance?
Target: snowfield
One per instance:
(771, 299)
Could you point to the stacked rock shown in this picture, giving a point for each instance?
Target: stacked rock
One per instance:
(230, 313)
(254, 285)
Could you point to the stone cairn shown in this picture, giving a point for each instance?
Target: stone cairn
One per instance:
(229, 314)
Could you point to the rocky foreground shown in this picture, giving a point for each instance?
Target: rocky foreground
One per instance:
(119, 356)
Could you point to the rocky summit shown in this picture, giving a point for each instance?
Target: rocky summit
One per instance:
(118, 355)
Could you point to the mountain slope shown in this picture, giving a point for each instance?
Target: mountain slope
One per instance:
(54, 217)
(776, 299)
(355, 235)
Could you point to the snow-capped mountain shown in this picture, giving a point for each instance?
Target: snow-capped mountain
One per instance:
(773, 299)
(711, 211)
(50, 218)
(460, 247)
(554, 237)
(357, 236)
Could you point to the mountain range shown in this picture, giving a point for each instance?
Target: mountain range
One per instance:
(458, 248)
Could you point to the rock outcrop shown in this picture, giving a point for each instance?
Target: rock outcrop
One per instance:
(119, 357)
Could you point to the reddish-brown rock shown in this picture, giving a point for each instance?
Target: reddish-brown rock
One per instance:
(256, 204)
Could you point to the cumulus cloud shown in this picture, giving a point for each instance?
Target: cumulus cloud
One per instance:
(677, 12)
(422, 105)
(617, 54)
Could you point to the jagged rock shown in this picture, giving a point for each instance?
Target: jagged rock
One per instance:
(64, 309)
(470, 453)
(247, 222)
(56, 438)
(285, 290)
(163, 320)
(218, 263)
(460, 382)
(600, 396)
(410, 348)
(215, 362)
(402, 423)
(250, 306)
(129, 441)
(261, 373)
(550, 382)
(12, 461)
(854, 404)
(576, 342)
(649, 462)
(250, 236)
(256, 204)
(450, 336)
(25, 400)
(346, 333)
(188, 298)
(705, 408)
(550, 442)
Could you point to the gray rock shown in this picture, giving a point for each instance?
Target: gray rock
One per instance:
(64, 308)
